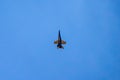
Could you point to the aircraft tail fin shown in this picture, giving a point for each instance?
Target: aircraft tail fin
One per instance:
(60, 46)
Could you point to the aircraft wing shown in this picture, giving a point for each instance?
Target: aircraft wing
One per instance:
(63, 42)
(56, 42)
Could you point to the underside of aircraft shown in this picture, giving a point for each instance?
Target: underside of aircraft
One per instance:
(59, 42)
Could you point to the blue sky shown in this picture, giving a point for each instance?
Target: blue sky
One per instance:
(28, 29)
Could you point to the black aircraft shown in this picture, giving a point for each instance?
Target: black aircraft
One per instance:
(59, 42)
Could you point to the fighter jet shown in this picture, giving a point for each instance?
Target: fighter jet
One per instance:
(59, 42)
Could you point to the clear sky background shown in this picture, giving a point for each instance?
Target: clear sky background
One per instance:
(91, 29)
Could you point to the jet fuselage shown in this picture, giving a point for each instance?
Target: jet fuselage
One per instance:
(59, 42)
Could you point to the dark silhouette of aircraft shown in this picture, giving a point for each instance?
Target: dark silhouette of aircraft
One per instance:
(59, 42)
